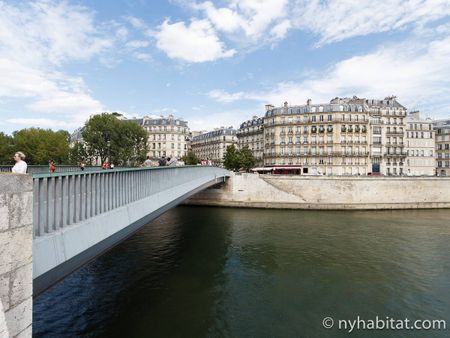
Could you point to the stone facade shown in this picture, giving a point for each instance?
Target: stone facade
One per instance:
(16, 207)
(168, 136)
(251, 134)
(347, 136)
(328, 139)
(213, 145)
(420, 145)
(387, 141)
(442, 129)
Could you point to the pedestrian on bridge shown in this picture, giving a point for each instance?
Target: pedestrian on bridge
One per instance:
(51, 166)
(148, 163)
(162, 161)
(21, 166)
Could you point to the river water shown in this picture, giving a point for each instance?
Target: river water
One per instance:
(223, 272)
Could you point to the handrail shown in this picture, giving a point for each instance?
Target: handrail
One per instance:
(72, 173)
(63, 199)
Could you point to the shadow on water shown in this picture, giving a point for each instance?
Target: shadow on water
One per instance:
(161, 281)
(217, 272)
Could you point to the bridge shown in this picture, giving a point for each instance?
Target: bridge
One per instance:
(73, 217)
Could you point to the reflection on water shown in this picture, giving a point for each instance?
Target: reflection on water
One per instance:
(218, 272)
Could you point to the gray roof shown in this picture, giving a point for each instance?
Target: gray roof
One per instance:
(254, 122)
(163, 121)
(214, 133)
(337, 104)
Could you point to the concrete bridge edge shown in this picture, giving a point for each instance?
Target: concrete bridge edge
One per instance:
(53, 276)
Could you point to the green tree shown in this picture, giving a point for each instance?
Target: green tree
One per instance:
(6, 149)
(121, 142)
(231, 158)
(190, 158)
(246, 158)
(41, 145)
(78, 153)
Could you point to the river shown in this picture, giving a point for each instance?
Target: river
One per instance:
(223, 272)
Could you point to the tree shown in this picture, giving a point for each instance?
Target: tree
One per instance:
(41, 145)
(6, 149)
(231, 158)
(78, 153)
(121, 142)
(246, 158)
(190, 158)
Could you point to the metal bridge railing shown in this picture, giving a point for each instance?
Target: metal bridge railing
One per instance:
(62, 199)
(35, 169)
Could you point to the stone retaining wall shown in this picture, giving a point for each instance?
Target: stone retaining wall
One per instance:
(16, 206)
(312, 192)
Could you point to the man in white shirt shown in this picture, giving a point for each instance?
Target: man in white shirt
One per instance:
(148, 162)
(21, 166)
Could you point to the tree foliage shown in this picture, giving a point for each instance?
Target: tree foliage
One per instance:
(231, 158)
(190, 158)
(236, 159)
(246, 158)
(78, 153)
(41, 145)
(6, 149)
(121, 142)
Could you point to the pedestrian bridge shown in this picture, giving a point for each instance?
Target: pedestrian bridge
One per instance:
(79, 215)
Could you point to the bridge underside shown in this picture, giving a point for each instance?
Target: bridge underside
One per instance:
(58, 254)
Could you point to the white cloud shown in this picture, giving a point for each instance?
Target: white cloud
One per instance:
(137, 43)
(143, 56)
(252, 18)
(197, 42)
(224, 19)
(222, 96)
(251, 22)
(416, 70)
(337, 20)
(35, 40)
(49, 32)
(52, 92)
(279, 31)
(136, 22)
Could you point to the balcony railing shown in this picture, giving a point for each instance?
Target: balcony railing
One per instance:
(391, 132)
(324, 154)
(402, 154)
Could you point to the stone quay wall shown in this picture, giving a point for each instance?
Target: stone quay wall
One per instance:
(16, 242)
(337, 193)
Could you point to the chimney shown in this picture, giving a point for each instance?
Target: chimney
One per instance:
(269, 107)
(415, 115)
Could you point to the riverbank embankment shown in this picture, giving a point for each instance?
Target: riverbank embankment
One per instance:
(336, 193)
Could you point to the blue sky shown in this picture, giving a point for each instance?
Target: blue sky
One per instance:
(216, 63)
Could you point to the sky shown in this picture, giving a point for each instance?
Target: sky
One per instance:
(216, 63)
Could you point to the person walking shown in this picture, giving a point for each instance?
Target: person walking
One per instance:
(105, 165)
(51, 166)
(21, 166)
(162, 161)
(172, 162)
(148, 162)
(82, 165)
